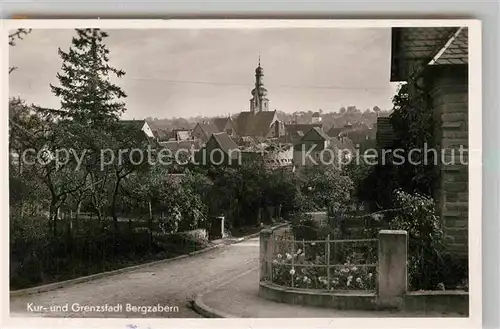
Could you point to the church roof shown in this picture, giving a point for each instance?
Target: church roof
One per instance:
(258, 124)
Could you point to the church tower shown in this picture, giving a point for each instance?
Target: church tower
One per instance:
(259, 101)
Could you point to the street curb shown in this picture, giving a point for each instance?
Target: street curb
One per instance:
(206, 311)
(210, 312)
(63, 284)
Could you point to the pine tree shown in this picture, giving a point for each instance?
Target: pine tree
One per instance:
(87, 94)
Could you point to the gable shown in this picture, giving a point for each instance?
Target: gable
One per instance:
(414, 47)
(147, 130)
(315, 134)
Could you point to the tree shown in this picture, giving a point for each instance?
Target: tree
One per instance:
(327, 187)
(86, 92)
(91, 102)
(413, 125)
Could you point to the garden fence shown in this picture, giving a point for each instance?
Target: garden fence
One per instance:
(330, 264)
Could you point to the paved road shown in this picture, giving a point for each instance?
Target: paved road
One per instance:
(171, 285)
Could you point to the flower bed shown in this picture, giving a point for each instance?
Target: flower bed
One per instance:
(331, 265)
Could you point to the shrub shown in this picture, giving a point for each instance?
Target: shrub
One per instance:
(416, 215)
(304, 227)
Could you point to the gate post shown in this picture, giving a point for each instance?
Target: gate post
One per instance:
(264, 236)
(392, 268)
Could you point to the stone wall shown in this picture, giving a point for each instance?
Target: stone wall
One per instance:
(449, 92)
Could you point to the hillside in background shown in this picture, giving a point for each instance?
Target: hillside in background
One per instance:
(338, 119)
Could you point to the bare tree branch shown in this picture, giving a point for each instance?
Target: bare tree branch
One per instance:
(19, 34)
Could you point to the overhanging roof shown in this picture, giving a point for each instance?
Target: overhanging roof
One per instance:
(418, 46)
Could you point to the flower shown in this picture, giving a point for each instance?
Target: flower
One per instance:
(288, 256)
(354, 269)
(358, 280)
(299, 251)
(303, 271)
(349, 278)
(370, 275)
(306, 278)
(313, 243)
(292, 271)
(275, 261)
(279, 256)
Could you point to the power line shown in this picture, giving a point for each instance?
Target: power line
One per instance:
(251, 85)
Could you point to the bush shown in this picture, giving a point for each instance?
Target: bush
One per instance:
(304, 227)
(92, 249)
(429, 265)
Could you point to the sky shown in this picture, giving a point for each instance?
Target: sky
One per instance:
(211, 72)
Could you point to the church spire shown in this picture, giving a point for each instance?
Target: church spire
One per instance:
(259, 102)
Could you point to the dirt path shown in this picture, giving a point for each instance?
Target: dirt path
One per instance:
(171, 285)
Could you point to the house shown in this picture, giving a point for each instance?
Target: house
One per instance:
(182, 134)
(436, 59)
(278, 156)
(271, 156)
(140, 125)
(359, 133)
(185, 145)
(311, 146)
(179, 152)
(220, 149)
(250, 141)
(204, 130)
(385, 134)
(160, 133)
(316, 118)
(314, 138)
(316, 147)
(294, 132)
(225, 125)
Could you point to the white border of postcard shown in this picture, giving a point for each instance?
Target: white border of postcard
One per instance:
(475, 179)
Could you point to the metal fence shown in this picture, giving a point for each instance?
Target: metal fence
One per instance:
(332, 265)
